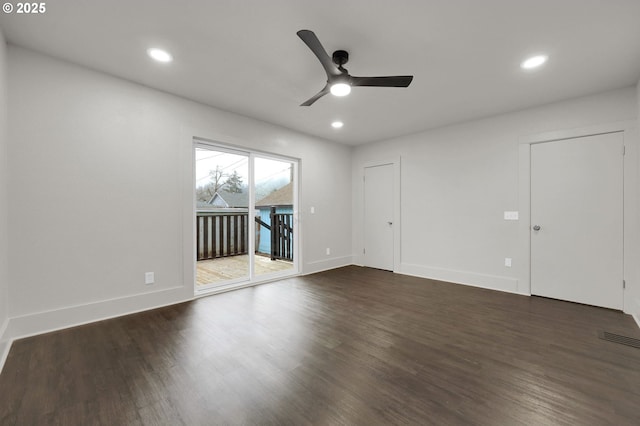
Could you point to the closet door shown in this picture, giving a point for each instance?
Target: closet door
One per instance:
(577, 220)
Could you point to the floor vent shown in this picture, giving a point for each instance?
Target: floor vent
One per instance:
(616, 338)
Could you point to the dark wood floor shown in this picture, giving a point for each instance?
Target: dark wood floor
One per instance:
(349, 346)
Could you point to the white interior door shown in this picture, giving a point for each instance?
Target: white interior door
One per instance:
(378, 216)
(577, 220)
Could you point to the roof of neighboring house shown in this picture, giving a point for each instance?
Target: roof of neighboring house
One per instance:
(279, 197)
(226, 199)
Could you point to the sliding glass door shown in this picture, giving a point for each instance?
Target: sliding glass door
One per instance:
(274, 207)
(245, 217)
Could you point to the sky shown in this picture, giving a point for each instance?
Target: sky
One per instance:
(266, 170)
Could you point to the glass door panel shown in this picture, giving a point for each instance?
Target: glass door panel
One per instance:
(222, 217)
(274, 203)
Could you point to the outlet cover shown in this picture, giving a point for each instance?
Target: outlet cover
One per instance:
(507, 262)
(328, 251)
(149, 278)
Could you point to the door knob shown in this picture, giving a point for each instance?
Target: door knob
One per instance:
(536, 227)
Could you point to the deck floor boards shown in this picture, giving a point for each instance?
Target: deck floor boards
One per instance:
(233, 267)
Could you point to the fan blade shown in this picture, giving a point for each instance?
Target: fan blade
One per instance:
(316, 96)
(395, 81)
(314, 44)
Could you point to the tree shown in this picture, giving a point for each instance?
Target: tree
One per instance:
(216, 176)
(204, 193)
(233, 183)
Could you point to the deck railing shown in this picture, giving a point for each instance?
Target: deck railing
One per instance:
(281, 232)
(223, 234)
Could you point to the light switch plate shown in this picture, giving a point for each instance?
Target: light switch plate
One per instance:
(507, 262)
(149, 278)
(510, 215)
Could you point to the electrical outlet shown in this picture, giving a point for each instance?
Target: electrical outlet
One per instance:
(328, 251)
(507, 262)
(313, 210)
(149, 278)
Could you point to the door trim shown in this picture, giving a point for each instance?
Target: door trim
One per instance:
(397, 216)
(251, 280)
(629, 131)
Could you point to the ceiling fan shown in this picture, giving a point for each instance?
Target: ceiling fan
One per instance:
(339, 82)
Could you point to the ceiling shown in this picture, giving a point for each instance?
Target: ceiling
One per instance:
(245, 57)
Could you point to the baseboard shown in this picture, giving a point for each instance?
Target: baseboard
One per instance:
(5, 347)
(45, 322)
(3, 329)
(5, 343)
(326, 264)
(491, 282)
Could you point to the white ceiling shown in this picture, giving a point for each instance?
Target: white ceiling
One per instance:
(245, 57)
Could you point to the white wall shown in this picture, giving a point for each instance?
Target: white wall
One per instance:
(4, 202)
(101, 187)
(457, 181)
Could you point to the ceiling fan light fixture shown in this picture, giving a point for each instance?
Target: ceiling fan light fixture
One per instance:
(337, 124)
(340, 89)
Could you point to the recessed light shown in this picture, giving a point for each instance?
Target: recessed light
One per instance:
(159, 55)
(337, 124)
(533, 62)
(340, 89)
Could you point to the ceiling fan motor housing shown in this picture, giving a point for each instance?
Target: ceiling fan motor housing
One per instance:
(340, 57)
